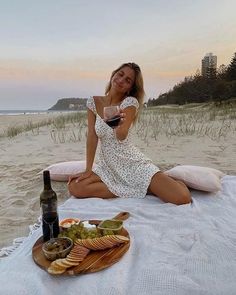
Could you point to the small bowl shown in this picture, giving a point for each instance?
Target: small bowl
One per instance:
(68, 222)
(110, 226)
(57, 248)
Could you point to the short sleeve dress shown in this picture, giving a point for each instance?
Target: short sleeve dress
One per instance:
(121, 166)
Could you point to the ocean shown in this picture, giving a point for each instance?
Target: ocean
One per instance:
(30, 112)
(22, 112)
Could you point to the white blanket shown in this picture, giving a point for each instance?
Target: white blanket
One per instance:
(188, 249)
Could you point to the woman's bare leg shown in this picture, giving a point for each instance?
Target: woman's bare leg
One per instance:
(169, 190)
(90, 187)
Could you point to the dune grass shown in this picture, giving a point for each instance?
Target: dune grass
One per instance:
(199, 120)
(58, 123)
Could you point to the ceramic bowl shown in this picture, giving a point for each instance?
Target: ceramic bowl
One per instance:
(57, 248)
(110, 226)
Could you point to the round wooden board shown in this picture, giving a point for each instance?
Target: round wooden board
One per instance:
(93, 262)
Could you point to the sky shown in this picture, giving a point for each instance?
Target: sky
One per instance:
(52, 49)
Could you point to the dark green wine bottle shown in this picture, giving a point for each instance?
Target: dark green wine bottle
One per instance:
(48, 203)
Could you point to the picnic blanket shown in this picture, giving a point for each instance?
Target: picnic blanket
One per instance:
(187, 249)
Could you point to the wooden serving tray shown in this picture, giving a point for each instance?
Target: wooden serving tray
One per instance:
(94, 261)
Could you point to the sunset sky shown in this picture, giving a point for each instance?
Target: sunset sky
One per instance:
(53, 49)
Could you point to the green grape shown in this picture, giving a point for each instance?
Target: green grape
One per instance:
(70, 235)
(78, 231)
(107, 232)
(83, 235)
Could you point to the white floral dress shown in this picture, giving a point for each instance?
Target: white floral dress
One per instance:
(122, 167)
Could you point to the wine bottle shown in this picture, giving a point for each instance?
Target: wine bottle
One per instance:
(48, 203)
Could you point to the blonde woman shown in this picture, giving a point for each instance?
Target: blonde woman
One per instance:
(122, 170)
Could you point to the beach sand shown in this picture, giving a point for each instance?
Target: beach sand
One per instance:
(25, 155)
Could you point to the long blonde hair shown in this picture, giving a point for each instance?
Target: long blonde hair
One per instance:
(137, 89)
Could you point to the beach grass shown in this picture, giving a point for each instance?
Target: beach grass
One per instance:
(57, 123)
(207, 119)
(199, 120)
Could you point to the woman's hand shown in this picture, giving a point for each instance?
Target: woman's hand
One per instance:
(122, 118)
(80, 176)
(127, 118)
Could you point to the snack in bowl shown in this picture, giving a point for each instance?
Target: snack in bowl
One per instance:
(68, 222)
(110, 227)
(57, 248)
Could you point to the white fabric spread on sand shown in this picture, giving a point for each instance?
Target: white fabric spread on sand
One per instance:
(188, 249)
(6, 251)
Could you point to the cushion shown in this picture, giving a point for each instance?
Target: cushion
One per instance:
(61, 171)
(197, 177)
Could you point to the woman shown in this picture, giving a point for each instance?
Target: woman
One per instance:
(122, 170)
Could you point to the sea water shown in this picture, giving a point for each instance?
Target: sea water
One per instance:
(24, 112)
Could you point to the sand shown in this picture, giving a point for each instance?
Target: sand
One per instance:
(25, 155)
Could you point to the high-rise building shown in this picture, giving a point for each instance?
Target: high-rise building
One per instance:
(209, 65)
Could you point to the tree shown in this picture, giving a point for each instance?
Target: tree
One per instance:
(221, 71)
(215, 85)
(197, 74)
(231, 71)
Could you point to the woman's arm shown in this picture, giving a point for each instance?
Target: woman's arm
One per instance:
(92, 141)
(127, 119)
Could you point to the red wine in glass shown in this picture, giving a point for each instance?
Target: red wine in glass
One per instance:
(112, 115)
(50, 225)
(113, 122)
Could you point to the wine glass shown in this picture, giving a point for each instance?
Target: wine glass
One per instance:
(111, 115)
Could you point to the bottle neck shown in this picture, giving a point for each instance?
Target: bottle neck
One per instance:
(47, 180)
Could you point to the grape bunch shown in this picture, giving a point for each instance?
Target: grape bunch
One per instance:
(78, 231)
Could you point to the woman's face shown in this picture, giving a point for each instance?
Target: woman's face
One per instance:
(123, 80)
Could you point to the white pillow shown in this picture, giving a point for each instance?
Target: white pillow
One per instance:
(62, 171)
(197, 177)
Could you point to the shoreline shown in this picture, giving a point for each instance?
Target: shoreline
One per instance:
(33, 112)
